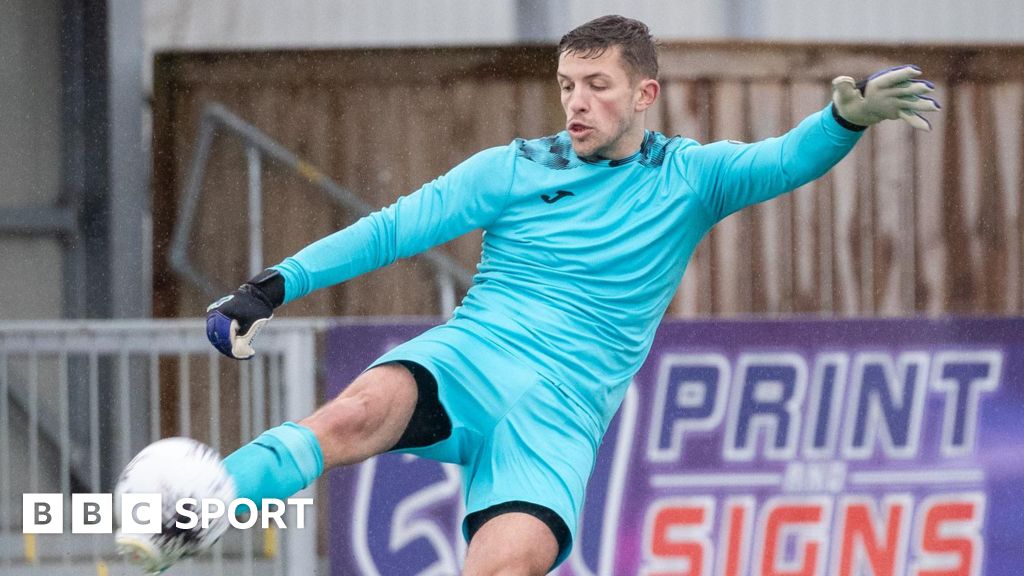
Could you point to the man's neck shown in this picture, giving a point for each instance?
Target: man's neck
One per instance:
(628, 145)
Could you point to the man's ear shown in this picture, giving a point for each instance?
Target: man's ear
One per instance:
(647, 94)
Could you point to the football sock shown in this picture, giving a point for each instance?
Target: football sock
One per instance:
(277, 464)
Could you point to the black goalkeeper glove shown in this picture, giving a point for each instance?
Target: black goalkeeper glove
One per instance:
(233, 321)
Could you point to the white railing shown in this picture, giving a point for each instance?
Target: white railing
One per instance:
(79, 398)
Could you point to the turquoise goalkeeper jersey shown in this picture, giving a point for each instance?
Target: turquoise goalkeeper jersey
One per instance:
(580, 258)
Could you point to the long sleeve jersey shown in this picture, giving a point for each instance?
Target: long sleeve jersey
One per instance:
(580, 258)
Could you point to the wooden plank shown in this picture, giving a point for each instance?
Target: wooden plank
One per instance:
(731, 236)
(222, 215)
(865, 189)
(294, 212)
(771, 223)
(687, 109)
(804, 275)
(261, 69)
(957, 275)
(1019, 162)
(1008, 101)
(356, 151)
(846, 200)
(533, 107)
(931, 250)
(166, 109)
(990, 223)
(893, 210)
(389, 176)
(969, 253)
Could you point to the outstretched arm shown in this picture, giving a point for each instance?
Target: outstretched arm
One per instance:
(732, 175)
(470, 196)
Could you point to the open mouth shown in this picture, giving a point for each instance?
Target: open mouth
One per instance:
(578, 129)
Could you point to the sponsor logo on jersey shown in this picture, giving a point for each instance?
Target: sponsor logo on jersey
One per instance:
(558, 196)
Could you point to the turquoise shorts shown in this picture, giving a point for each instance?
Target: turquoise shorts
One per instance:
(516, 435)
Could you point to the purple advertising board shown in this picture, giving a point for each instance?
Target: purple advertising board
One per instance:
(762, 447)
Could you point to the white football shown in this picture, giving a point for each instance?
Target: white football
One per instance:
(175, 468)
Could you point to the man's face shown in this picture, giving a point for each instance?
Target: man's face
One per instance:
(602, 104)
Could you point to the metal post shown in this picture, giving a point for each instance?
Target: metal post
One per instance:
(299, 401)
(154, 396)
(65, 432)
(5, 455)
(33, 420)
(128, 200)
(258, 383)
(186, 212)
(124, 437)
(446, 292)
(214, 372)
(184, 396)
(94, 421)
(245, 422)
(255, 211)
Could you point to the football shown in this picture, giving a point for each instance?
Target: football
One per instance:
(174, 468)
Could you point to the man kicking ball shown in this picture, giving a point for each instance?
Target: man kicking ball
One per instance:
(586, 237)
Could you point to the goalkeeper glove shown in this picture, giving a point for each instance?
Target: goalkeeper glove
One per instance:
(886, 95)
(233, 321)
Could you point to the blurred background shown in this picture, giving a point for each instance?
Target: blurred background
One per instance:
(100, 102)
(156, 154)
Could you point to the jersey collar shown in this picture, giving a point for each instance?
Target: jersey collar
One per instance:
(598, 161)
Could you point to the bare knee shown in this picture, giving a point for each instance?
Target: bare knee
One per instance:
(513, 544)
(367, 418)
(349, 416)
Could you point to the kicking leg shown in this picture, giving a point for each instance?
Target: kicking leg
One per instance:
(366, 419)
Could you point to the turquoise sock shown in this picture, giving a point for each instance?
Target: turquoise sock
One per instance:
(277, 464)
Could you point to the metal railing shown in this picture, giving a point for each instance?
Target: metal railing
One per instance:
(79, 398)
(215, 118)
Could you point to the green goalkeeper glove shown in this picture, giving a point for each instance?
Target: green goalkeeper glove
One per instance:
(886, 95)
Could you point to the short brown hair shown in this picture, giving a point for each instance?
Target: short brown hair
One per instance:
(639, 50)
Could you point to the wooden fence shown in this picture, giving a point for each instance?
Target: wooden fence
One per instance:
(909, 224)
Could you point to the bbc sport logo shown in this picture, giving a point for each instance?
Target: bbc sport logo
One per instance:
(140, 513)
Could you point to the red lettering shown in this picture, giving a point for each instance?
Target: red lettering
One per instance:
(858, 526)
(662, 546)
(962, 547)
(734, 549)
(777, 520)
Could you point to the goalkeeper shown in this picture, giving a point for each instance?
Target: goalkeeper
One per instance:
(586, 237)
